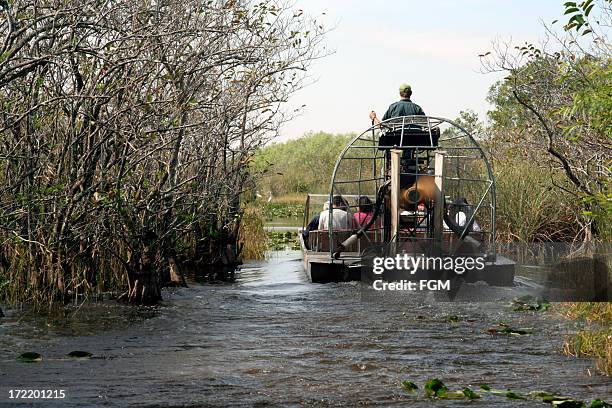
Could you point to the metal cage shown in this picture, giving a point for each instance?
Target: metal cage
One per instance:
(466, 184)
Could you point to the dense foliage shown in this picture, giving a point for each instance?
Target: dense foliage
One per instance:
(554, 109)
(126, 130)
(299, 166)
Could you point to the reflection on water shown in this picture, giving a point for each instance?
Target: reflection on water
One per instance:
(273, 338)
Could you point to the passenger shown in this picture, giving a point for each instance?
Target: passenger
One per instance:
(314, 223)
(404, 107)
(366, 209)
(340, 217)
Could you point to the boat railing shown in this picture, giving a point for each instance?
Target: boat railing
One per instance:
(363, 167)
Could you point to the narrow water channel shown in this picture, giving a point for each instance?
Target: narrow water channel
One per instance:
(274, 339)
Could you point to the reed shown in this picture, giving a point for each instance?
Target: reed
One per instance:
(290, 198)
(530, 206)
(252, 237)
(594, 341)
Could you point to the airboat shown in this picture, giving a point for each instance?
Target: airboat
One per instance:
(429, 191)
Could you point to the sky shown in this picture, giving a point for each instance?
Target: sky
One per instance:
(432, 45)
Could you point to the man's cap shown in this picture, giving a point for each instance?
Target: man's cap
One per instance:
(405, 87)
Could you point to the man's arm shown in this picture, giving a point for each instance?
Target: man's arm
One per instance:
(374, 119)
(377, 121)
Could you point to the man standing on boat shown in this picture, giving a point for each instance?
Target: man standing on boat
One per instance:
(403, 107)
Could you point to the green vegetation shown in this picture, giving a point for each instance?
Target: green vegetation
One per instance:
(299, 166)
(275, 210)
(281, 240)
(508, 330)
(436, 389)
(594, 340)
(529, 303)
(80, 355)
(553, 112)
(470, 394)
(409, 386)
(117, 172)
(252, 237)
(30, 357)
(530, 208)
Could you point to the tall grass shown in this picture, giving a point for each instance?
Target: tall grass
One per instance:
(252, 236)
(594, 341)
(291, 198)
(530, 207)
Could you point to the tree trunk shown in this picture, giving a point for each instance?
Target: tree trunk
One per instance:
(144, 288)
(144, 280)
(176, 276)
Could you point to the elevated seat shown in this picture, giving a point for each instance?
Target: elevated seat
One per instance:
(412, 135)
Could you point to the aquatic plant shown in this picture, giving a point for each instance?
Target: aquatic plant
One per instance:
(528, 302)
(251, 235)
(272, 211)
(595, 340)
(30, 357)
(281, 240)
(514, 396)
(508, 330)
(435, 388)
(77, 354)
(469, 393)
(409, 386)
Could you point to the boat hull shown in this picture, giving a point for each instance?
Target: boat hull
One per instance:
(320, 267)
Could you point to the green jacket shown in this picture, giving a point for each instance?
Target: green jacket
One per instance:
(404, 107)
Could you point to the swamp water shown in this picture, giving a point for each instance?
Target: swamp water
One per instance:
(273, 339)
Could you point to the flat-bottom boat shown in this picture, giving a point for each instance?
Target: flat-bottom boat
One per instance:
(429, 190)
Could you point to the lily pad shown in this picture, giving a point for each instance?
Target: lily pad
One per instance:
(525, 303)
(30, 357)
(487, 388)
(541, 394)
(409, 386)
(514, 396)
(599, 404)
(435, 388)
(569, 404)
(508, 330)
(467, 391)
(452, 395)
(549, 399)
(80, 354)
(563, 402)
